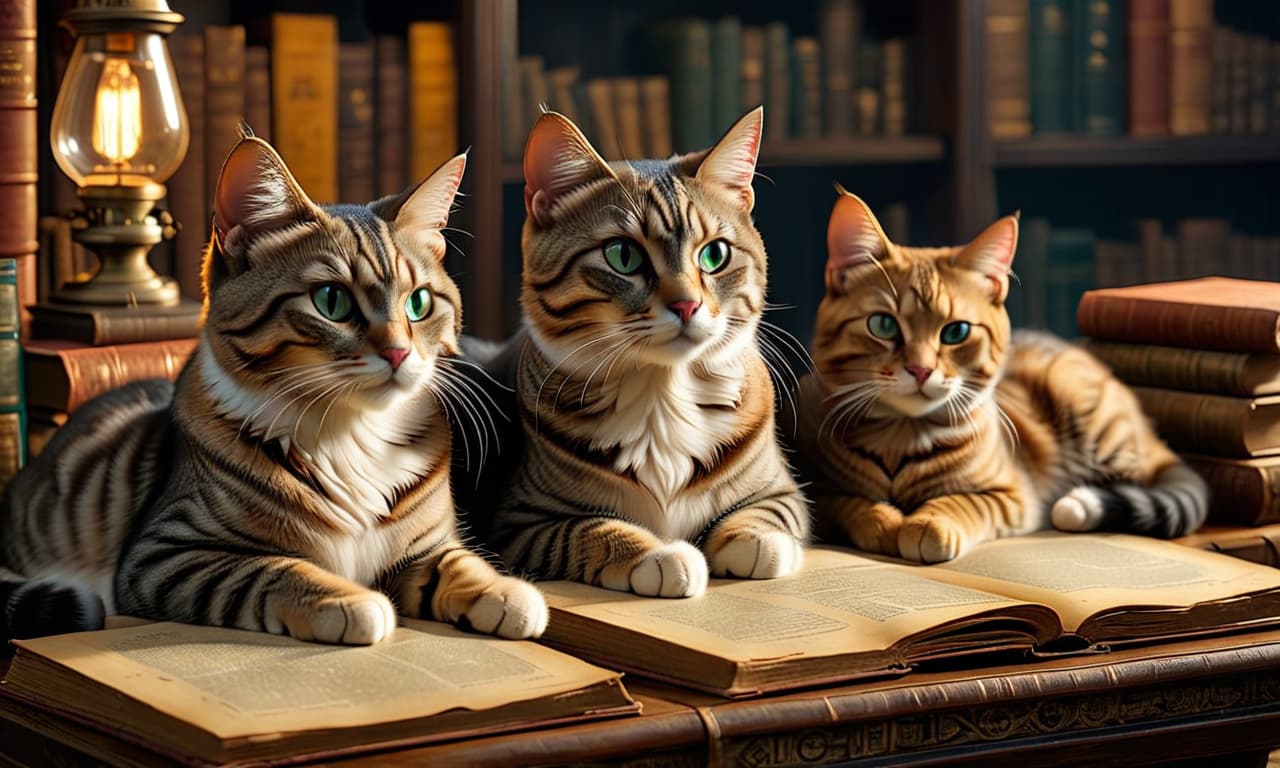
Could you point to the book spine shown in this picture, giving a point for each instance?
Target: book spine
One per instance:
(533, 88)
(92, 371)
(188, 187)
(1274, 121)
(356, 182)
(1149, 67)
(868, 90)
(560, 92)
(806, 88)
(19, 151)
(1007, 66)
(1100, 66)
(777, 82)
(1050, 69)
(100, 329)
(304, 99)
(1193, 370)
(752, 74)
(391, 114)
(626, 111)
(1068, 275)
(726, 68)
(1260, 84)
(1195, 422)
(1240, 493)
(13, 428)
(1190, 66)
(433, 97)
(603, 116)
(1031, 265)
(893, 90)
(1238, 69)
(257, 90)
(691, 87)
(1151, 321)
(655, 106)
(839, 34)
(514, 130)
(224, 93)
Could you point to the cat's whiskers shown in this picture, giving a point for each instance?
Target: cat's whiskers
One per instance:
(609, 336)
(478, 404)
(599, 355)
(287, 385)
(315, 384)
(457, 403)
(612, 333)
(851, 402)
(618, 351)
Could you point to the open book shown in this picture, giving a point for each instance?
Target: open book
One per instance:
(209, 694)
(849, 615)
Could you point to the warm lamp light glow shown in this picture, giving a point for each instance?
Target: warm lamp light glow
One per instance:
(117, 119)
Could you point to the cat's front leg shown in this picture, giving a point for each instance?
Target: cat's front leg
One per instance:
(762, 541)
(946, 527)
(872, 526)
(460, 587)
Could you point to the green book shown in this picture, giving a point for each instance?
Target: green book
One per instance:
(726, 72)
(13, 419)
(777, 80)
(1027, 293)
(683, 48)
(1100, 71)
(1070, 274)
(1051, 71)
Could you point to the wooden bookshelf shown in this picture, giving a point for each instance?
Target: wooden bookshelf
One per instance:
(1089, 151)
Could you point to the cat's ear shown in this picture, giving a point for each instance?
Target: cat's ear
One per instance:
(425, 210)
(991, 254)
(854, 238)
(256, 191)
(731, 163)
(557, 160)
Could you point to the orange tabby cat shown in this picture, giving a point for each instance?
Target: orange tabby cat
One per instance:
(929, 427)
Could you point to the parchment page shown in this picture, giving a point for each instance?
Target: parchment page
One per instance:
(1082, 574)
(841, 603)
(237, 683)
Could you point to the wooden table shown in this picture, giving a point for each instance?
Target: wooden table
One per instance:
(1172, 704)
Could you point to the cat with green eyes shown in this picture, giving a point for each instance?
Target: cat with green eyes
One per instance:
(647, 457)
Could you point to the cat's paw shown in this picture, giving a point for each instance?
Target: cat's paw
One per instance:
(359, 619)
(511, 608)
(876, 528)
(765, 555)
(931, 539)
(677, 569)
(1081, 509)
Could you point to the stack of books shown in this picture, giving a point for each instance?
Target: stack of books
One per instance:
(1204, 357)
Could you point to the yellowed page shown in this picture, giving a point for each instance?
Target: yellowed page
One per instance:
(234, 683)
(1082, 574)
(840, 603)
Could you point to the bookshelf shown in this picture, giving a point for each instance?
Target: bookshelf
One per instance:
(1111, 151)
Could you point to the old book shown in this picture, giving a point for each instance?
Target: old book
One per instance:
(19, 152)
(894, 58)
(1215, 424)
(1051, 71)
(1100, 68)
(534, 93)
(1190, 66)
(655, 111)
(1242, 491)
(1007, 67)
(1029, 293)
(391, 114)
(433, 97)
(561, 82)
(752, 79)
(1260, 83)
(1240, 374)
(777, 82)
(682, 47)
(208, 694)
(13, 428)
(1221, 74)
(1273, 122)
(868, 89)
(1220, 313)
(257, 89)
(627, 117)
(726, 71)
(304, 99)
(90, 324)
(356, 182)
(63, 375)
(849, 616)
(1116, 263)
(1257, 544)
(1238, 79)
(806, 88)
(1148, 37)
(604, 118)
(1068, 275)
(1150, 236)
(839, 34)
(224, 94)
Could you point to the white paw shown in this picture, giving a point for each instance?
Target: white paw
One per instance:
(766, 556)
(361, 619)
(511, 608)
(1079, 510)
(677, 569)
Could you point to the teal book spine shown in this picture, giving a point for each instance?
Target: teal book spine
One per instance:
(13, 416)
(1100, 70)
(726, 72)
(684, 50)
(1027, 292)
(777, 80)
(1070, 274)
(1052, 84)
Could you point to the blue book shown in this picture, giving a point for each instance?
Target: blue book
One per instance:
(1100, 71)
(13, 417)
(1052, 83)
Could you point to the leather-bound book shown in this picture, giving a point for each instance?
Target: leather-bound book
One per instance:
(224, 95)
(64, 375)
(1148, 67)
(356, 182)
(655, 112)
(304, 99)
(19, 149)
(839, 35)
(391, 114)
(1242, 491)
(257, 90)
(1190, 66)
(1008, 68)
(433, 97)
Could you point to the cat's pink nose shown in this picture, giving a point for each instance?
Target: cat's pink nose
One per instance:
(684, 309)
(395, 356)
(920, 372)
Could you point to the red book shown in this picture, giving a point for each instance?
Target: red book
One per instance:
(1148, 67)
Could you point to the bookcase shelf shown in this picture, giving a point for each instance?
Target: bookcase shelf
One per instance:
(1103, 151)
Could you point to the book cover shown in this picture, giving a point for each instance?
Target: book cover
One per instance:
(98, 325)
(1007, 64)
(839, 35)
(726, 71)
(213, 695)
(1242, 491)
(561, 82)
(13, 426)
(604, 118)
(1069, 274)
(391, 114)
(1261, 85)
(61, 376)
(868, 90)
(1028, 294)
(1239, 79)
(752, 78)
(894, 98)
(356, 177)
(627, 117)
(188, 189)
(777, 83)
(433, 97)
(257, 90)
(806, 88)
(224, 96)
(1116, 263)
(683, 48)
(1051, 75)
(304, 99)
(1190, 66)
(847, 616)
(1219, 313)
(19, 151)
(1220, 425)
(1101, 71)
(655, 111)
(1221, 75)
(533, 88)
(1241, 374)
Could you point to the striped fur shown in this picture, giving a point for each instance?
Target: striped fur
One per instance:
(922, 448)
(296, 478)
(649, 456)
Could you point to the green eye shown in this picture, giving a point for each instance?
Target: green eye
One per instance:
(333, 302)
(418, 305)
(713, 256)
(954, 333)
(625, 256)
(883, 326)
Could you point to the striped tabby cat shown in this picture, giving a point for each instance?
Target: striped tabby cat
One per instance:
(929, 427)
(296, 478)
(647, 410)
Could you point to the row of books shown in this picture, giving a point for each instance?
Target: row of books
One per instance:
(1056, 265)
(1204, 357)
(703, 74)
(1143, 67)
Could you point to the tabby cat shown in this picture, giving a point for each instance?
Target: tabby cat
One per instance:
(647, 410)
(295, 479)
(929, 427)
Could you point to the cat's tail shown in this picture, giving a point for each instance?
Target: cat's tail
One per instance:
(48, 605)
(1175, 504)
